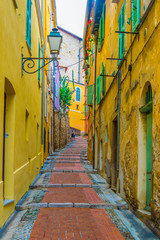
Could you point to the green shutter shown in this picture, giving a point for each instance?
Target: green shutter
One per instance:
(120, 39)
(98, 90)
(121, 24)
(135, 14)
(85, 110)
(100, 34)
(103, 21)
(102, 78)
(90, 94)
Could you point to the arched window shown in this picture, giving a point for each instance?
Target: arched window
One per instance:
(78, 94)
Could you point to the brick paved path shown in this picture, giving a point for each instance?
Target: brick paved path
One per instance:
(73, 223)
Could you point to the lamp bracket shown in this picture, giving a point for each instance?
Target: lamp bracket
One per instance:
(29, 62)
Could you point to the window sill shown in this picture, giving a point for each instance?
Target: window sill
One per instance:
(7, 202)
(29, 48)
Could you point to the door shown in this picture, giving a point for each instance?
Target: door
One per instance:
(149, 159)
(101, 156)
(114, 156)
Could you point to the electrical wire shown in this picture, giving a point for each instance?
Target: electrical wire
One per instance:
(71, 64)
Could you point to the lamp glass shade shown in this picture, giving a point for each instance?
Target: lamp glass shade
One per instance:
(55, 40)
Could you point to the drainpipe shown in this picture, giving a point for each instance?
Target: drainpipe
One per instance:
(42, 108)
(94, 101)
(53, 89)
(119, 110)
(79, 64)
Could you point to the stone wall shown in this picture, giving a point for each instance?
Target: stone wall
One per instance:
(56, 131)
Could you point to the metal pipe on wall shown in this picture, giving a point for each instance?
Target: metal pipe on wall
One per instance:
(94, 100)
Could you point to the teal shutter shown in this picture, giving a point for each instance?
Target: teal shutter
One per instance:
(135, 14)
(98, 90)
(39, 61)
(102, 78)
(28, 23)
(123, 29)
(90, 94)
(103, 21)
(100, 34)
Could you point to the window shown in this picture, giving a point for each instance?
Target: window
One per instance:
(78, 94)
(98, 90)
(135, 14)
(39, 62)
(28, 23)
(102, 27)
(121, 23)
(77, 107)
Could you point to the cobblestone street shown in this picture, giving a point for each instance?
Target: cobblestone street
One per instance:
(69, 200)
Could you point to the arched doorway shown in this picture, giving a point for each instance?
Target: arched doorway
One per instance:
(8, 141)
(145, 148)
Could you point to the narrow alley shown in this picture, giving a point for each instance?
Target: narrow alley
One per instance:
(69, 200)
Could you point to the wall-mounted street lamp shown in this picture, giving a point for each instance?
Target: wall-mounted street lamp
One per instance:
(55, 40)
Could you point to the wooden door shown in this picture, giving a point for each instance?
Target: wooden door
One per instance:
(149, 159)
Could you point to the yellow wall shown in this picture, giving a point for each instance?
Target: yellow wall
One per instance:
(145, 69)
(23, 121)
(77, 116)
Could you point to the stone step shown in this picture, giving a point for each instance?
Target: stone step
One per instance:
(57, 161)
(62, 185)
(64, 205)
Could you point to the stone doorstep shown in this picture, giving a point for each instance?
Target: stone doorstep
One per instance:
(61, 185)
(63, 205)
(63, 170)
(55, 161)
(146, 220)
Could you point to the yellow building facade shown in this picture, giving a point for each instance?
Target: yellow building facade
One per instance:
(123, 125)
(76, 110)
(22, 35)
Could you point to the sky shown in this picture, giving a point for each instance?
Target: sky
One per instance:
(71, 15)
